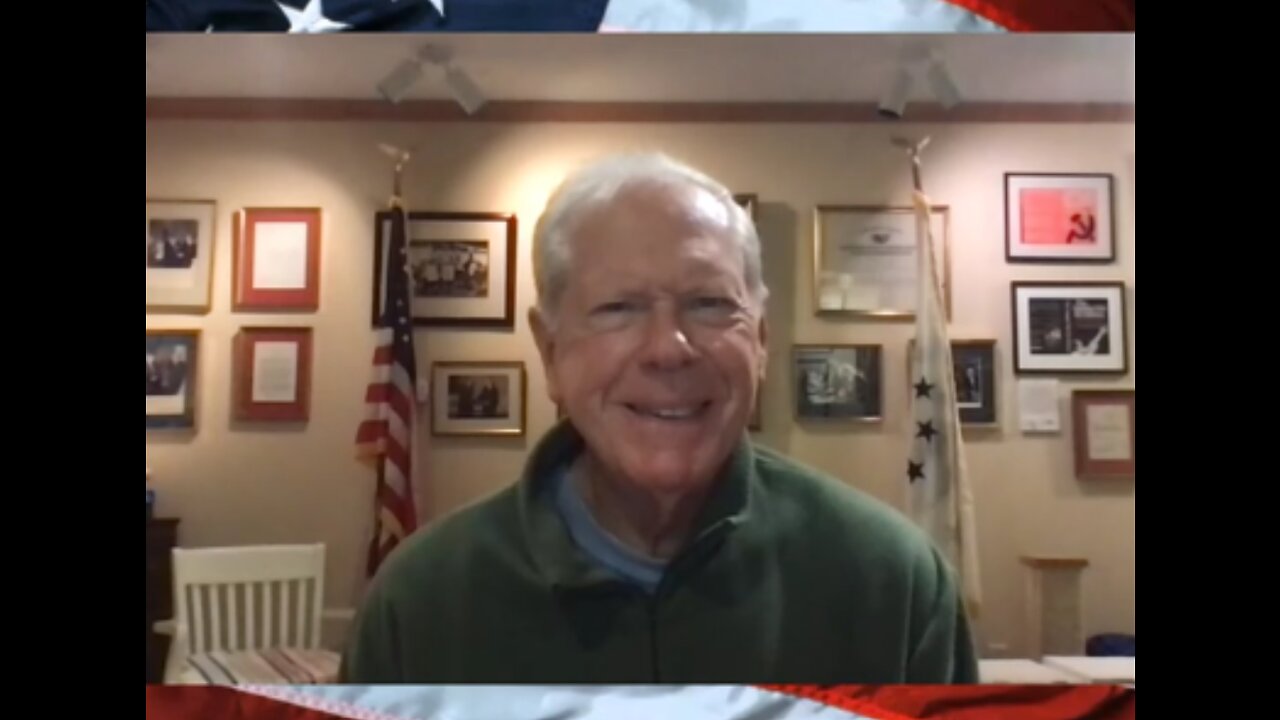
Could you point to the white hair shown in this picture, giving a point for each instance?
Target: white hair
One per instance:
(601, 182)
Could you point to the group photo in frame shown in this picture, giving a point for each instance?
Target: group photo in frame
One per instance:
(181, 237)
(1059, 217)
(173, 364)
(865, 259)
(1070, 327)
(271, 374)
(478, 399)
(276, 254)
(838, 382)
(1103, 425)
(462, 268)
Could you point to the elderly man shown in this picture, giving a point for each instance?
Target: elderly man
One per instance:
(648, 539)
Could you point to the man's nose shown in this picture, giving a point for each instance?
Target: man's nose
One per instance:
(666, 344)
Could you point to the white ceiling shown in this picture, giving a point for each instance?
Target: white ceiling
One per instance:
(727, 67)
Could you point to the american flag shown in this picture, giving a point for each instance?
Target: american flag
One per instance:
(940, 499)
(386, 435)
(326, 16)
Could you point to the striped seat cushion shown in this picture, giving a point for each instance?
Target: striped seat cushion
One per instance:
(274, 666)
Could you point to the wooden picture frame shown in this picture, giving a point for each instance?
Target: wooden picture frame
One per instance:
(478, 399)
(1070, 327)
(173, 378)
(838, 382)
(865, 263)
(1103, 424)
(1059, 217)
(181, 247)
(462, 265)
(271, 370)
(276, 254)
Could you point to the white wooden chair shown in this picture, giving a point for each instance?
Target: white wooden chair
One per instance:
(249, 615)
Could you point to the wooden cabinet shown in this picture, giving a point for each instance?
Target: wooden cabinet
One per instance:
(162, 537)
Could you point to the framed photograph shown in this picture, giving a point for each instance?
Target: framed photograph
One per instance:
(1103, 423)
(180, 249)
(865, 262)
(975, 375)
(1065, 327)
(463, 268)
(277, 259)
(838, 382)
(272, 374)
(172, 376)
(1065, 217)
(478, 398)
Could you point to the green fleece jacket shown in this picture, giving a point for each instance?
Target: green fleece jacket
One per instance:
(791, 577)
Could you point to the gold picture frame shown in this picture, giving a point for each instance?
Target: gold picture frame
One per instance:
(478, 398)
(865, 261)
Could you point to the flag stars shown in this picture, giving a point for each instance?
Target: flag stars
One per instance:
(915, 471)
(926, 430)
(923, 388)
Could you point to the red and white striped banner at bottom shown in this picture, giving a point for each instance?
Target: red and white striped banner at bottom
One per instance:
(699, 702)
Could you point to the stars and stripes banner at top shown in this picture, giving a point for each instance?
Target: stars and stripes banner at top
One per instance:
(386, 436)
(939, 499)
(898, 16)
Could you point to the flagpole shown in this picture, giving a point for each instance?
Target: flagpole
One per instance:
(957, 527)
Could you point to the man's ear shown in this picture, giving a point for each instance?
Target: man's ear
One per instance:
(544, 338)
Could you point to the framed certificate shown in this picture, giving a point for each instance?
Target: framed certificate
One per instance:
(1103, 423)
(272, 374)
(277, 259)
(865, 259)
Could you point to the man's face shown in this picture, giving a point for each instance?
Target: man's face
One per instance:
(657, 349)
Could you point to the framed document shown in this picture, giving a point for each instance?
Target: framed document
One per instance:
(180, 248)
(462, 267)
(1059, 217)
(272, 374)
(1069, 327)
(172, 377)
(277, 259)
(838, 382)
(865, 261)
(478, 398)
(1103, 422)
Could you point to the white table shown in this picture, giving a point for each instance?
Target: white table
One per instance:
(1110, 670)
(1023, 672)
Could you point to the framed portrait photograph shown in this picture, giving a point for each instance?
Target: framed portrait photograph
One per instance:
(1064, 217)
(172, 377)
(1066, 327)
(462, 268)
(865, 262)
(1103, 427)
(975, 377)
(838, 382)
(180, 249)
(277, 259)
(271, 371)
(478, 398)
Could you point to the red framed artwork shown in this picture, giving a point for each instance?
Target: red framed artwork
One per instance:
(1103, 422)
(272, 368)
(277, 259)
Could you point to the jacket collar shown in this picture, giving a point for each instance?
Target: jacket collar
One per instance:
(563, 565)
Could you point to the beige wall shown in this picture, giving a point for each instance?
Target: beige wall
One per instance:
(231, 484)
